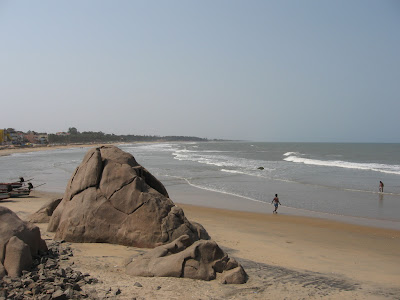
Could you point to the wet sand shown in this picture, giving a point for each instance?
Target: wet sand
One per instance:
(285, 256)
(183, 193)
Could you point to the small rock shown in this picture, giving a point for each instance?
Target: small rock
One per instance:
(138, 284)
(69, 293)
(59, 295)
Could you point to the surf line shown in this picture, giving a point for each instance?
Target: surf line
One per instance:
(215, 190)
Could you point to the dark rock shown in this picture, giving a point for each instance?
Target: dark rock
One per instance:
(137, 284)
(50, 284)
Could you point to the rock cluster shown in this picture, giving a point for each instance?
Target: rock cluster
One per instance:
(202, 259)
(20, 241)
(47, 280)
(112, 199)
(44, 213)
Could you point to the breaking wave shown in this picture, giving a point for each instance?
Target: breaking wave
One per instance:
(376, 167)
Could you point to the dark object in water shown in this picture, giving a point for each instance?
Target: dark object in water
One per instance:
(260, 168)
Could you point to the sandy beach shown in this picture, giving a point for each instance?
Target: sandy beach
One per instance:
(286, 257)
(10, 150)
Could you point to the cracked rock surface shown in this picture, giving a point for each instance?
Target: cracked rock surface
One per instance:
(111, 198)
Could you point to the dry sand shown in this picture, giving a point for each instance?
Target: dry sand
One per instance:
(286, 257)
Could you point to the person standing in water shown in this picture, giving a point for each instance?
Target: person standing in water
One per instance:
(276, 203)
(381, 186)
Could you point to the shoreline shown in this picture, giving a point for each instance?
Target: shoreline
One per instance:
(285, 256)
(183, 194)
(9, 151)
(226, 201)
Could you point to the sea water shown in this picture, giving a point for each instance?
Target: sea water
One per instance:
(337, 179)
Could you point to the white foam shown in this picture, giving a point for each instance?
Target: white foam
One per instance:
(215, 190)
(218, 160)
(163, 147)
(389, 169)
(291, 153)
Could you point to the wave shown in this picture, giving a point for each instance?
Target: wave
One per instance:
(383, 168)
(291, 153)
(162, 147)
(223, 161)
(200, 151)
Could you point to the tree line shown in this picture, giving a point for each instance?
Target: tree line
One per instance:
(74, 136)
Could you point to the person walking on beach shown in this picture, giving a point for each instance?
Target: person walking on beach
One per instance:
(276, 203)
(381, 186)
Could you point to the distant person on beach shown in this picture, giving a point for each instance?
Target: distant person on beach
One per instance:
(276, 203)
(381, 186)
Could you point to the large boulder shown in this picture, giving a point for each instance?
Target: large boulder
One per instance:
(110, 198)
(202, 259)
(44, 213)
(19, 242)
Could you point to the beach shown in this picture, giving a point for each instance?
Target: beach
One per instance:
(289, 255)
(285, 257)
(11, 150)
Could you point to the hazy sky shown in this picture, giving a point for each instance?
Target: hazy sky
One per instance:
(255, 70)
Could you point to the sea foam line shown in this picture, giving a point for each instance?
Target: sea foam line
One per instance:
(389, 169)
(309, 211)
(214, 190)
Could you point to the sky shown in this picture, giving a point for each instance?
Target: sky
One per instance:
(272, 71)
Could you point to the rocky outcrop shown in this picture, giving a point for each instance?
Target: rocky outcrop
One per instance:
(19, 242)
(112, 199)
(46, 279)
(44, 213)
(202, 259)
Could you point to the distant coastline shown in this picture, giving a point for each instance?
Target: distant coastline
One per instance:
(92, 139)
(8, 150)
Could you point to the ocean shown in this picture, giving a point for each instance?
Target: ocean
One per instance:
(336, 179)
